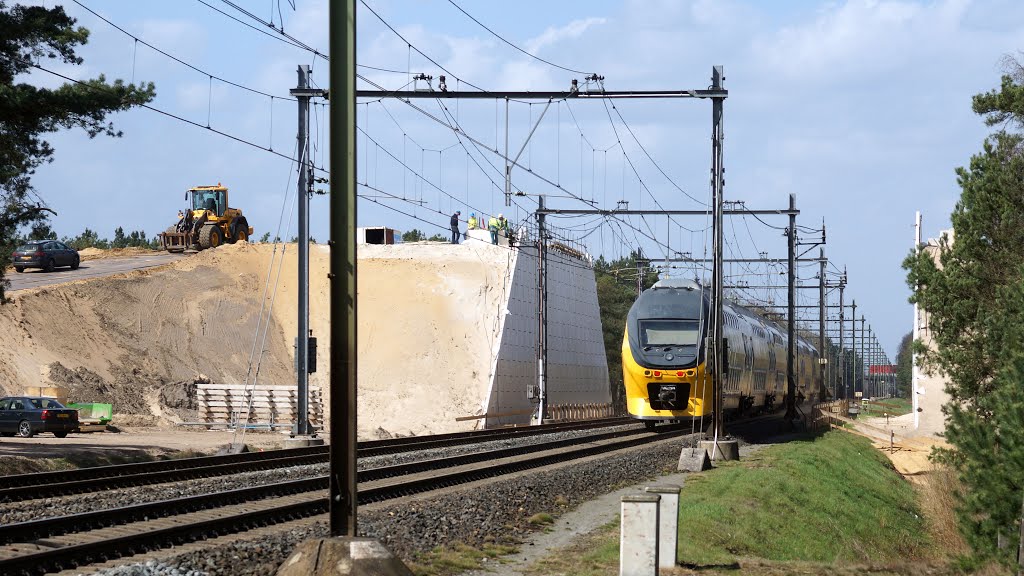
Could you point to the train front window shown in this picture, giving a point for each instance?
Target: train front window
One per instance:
(669, 332)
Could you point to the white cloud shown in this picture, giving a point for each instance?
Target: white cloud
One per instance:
(553, 35)
(860, 38)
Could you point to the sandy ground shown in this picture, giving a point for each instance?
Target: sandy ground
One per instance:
(131, 444)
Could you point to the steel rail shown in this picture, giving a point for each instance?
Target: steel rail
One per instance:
(55, 557)
(49, 484)
(56, 525)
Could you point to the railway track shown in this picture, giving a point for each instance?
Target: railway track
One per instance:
(54, 544)
(49, 484)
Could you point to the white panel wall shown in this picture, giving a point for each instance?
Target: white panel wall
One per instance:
(577, 366)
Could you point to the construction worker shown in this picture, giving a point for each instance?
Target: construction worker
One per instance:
(455, 227)
(492, 226)
(471, 224)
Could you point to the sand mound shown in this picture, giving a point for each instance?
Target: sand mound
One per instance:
(99, 253)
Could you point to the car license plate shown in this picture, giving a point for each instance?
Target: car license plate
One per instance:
(62, 416)
(26, 257)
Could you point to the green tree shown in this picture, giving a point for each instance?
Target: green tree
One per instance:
(120, 240)
(31, 36)
(439, 238)
(265, 238)
(975, 301)
(87, 239)
(616, 292)
(904, 366)
(413, 235)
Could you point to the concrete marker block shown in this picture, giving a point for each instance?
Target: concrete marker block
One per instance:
(694, 459)
(638, 538)
(668, 523)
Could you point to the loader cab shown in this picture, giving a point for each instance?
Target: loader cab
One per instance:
(213, 199)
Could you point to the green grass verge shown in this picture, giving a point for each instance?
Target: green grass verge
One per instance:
(890, 406)
(457, 557)
(829, 499)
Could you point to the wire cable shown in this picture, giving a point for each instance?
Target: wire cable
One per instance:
(499, 37)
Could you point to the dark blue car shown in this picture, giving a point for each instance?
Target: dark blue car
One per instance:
(45, 254)
(29, 415)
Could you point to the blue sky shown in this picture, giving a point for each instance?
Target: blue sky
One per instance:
(859, 107)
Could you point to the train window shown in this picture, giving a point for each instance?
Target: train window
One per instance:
(669, 332)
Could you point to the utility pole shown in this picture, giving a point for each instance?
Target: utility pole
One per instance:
(914, 373)
(508, 167)
(542, 356)
(342, 496)
(870, 362)
(791, 315)
(303, 368)
(641, 263)
(841, 369)
(853, 352)
(822, 355)
(717, 284)
(860, 372)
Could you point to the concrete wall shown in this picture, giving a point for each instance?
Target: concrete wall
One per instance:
(577, 366)
(930, 388)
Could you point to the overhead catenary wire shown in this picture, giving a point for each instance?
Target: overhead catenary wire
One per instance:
(499, 37)
(139, 40)
(176, 117)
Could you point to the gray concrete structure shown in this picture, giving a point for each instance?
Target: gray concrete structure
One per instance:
(929, 387)
(638, 539)
(577, 365)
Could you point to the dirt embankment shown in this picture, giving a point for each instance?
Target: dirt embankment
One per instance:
(141, 340)
(155, 331)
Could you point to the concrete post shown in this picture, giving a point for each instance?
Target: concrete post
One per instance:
(638, 539)
(668, 523)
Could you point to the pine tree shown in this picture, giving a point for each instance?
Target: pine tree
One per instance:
(975, 300)
(31, 36)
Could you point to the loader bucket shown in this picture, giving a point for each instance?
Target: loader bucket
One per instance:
(174, 241)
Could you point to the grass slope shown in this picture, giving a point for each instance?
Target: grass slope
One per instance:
(832, 498)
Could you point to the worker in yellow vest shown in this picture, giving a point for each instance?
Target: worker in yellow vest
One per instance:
(492, 226)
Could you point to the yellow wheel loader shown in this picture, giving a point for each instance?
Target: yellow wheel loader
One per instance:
(208, 223)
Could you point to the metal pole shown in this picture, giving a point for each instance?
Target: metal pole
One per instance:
(302, 426)
(508, 167)
(860, 370)
(639, 272)
(791, 316)
(342, 511)
(717, 291)
(822, 356)
(853, 350)
(870, 361)
(840, 354)
(914, 373)
(542, 357)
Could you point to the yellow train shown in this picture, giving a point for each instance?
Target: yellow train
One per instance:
(664, 348)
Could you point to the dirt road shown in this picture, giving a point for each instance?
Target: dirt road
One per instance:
(33, 278)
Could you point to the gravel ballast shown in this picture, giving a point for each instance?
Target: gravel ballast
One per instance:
(95, 501)
(492, 511)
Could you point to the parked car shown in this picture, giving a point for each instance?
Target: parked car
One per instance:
(29, 415)
(45, 254)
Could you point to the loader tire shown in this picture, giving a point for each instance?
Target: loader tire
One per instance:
(241, 231)
(210, 237)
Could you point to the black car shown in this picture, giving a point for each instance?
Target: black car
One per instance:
(29, 415)
(45, 254)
